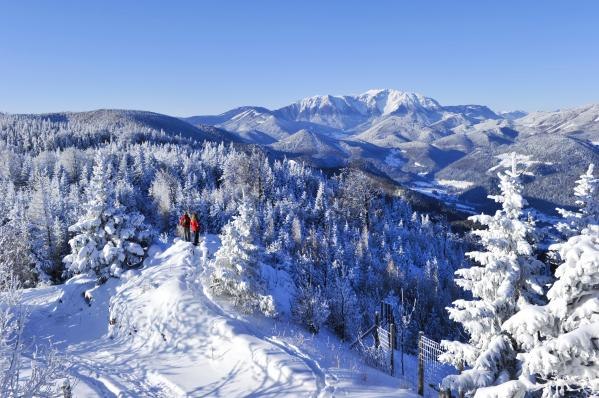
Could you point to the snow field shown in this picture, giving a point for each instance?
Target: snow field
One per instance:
(156, 333)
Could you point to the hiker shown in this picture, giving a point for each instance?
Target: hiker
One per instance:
(195, 228)
(185, 222)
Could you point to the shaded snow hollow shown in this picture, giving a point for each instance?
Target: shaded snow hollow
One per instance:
(169, 338)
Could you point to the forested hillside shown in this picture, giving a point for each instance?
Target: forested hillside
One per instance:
(342, 240)
(84, 198)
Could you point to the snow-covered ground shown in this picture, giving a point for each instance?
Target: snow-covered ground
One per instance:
(457, 184)
(445, 191)
(157, 332)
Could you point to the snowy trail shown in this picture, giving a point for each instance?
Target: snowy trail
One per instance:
(317, 373)
(169, 338)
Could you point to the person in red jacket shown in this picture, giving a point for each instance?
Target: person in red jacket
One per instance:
(195, 228)
(185, 222)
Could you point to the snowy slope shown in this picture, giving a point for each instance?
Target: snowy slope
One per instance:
(168, 338)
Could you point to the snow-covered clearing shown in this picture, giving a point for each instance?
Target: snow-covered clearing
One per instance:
(457, 184)
(156, 332)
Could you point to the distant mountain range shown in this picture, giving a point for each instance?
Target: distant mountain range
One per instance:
(439, 150)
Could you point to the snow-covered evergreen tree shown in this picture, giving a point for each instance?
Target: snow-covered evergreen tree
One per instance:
(16, 256)
(310, 306)
(505, 277)
(560, 338)
(237, 264)
(344, 315)
(587, 194)
(107, 240)
(163, 191)
(41, 218)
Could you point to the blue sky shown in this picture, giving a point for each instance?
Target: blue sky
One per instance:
(195, 57)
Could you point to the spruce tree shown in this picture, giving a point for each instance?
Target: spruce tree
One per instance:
(107, 240)
(237, 264)
(559, 339)
(505, 277)
(587, 193)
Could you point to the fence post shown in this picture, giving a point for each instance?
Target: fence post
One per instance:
(402, 347)
(420, 365)
(377, 322)
(444, 393)
(392, 347)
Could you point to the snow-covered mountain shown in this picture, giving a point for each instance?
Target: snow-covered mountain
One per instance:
(414, 139)
(350, 112)
(376, 114)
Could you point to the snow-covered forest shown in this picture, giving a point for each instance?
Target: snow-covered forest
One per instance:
(341, 243)
(320, 250)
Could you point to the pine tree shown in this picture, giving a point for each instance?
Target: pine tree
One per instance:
(310, 307)
(505, 278)
(343, 302)
(107, 240)
(163, 191)
(587, 193)
(237, 265)
(319, 203)
(43, 242)
(561, 337)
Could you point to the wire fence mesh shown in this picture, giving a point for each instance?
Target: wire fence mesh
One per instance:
(384, 338)
(434, 370)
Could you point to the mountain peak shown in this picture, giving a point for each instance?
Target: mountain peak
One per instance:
(387, 101)
(347, 111)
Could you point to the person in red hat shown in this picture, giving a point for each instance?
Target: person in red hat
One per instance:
(185, 222)
(195, 228)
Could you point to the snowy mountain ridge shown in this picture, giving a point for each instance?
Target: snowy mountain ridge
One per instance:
(372, 103)
(425, 140)
(350, 112)
(407, 137)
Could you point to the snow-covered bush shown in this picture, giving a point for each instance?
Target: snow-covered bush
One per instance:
(237, 265)
(310, 307)
(15, 256)
(376, 357)
(108, 239)
(21, 376)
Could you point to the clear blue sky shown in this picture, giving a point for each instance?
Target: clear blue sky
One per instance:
(195, 57)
